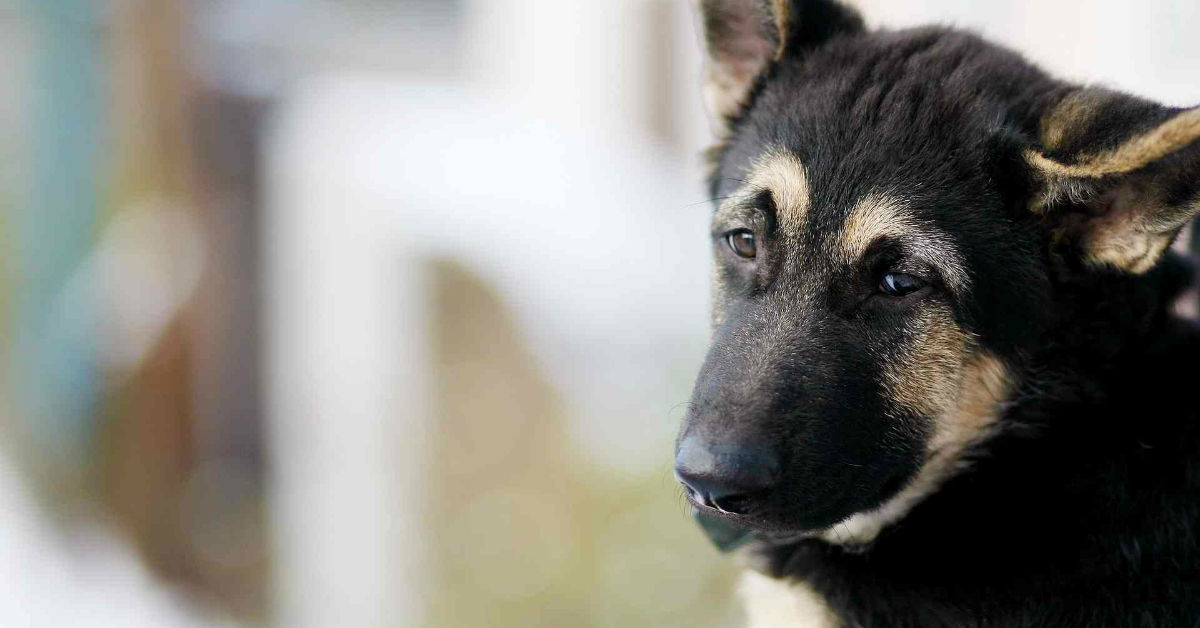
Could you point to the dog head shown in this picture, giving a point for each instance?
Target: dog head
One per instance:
(895, 214)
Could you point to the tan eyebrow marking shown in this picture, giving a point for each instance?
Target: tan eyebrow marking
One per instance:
(879, 215)
(784, 176)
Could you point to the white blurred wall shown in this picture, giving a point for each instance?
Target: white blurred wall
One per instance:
(1149, 48)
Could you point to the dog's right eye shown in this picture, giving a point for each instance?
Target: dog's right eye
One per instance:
(900, 284)
(742, 243)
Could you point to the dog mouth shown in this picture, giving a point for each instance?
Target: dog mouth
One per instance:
(729, 532)
(752, 519)
(768, 521)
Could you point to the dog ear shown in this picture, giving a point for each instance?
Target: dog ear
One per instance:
(1117, 177)
(743, 37)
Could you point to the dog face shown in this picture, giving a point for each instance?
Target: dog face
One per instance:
(894, 215)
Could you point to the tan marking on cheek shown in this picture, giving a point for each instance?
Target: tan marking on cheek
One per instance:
(985, 386)
(771, 602)
(1134, 153)
(784, 176)
(924, 377)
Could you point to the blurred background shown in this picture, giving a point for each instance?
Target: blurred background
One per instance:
(381, 312)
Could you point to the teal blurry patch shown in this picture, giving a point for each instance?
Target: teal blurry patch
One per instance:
(724, 535)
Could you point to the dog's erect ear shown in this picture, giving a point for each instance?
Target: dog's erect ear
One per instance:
(1116, 176)
(744, 36)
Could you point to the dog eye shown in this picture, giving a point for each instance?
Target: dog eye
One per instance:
(900, 284)
(742, 243)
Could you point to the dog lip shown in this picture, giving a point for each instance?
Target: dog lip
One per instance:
(700, 502)
(787, 538)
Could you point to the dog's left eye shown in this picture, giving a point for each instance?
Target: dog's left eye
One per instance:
(742, 243)
(900, 284)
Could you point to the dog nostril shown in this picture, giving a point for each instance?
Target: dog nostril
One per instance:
(695, 494)
(730, 478)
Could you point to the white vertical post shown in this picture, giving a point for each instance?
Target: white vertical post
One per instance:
(347, 397)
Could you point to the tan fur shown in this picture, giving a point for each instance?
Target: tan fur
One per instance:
(1070, 117)
(1133, 253)
(1135, 153)
(925, 377)
(783, 174)
(986, 385)
(774, 603)
(1135, 231)
(873, 217)
(879, 215)
(782, 14)
(1137, 225)
(983, 389)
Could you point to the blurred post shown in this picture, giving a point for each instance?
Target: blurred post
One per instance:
(347, 389)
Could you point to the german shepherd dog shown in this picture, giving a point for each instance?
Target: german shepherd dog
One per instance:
(946, 386)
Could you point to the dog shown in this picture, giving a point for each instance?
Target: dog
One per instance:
(945, 386)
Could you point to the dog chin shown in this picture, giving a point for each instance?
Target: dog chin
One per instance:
(775, 529)
(849, 528)
(855, 530)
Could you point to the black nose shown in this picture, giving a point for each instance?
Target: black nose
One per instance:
(732, 478)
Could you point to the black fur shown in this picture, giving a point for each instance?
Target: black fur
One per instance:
(1085, 513)
(1085, 510)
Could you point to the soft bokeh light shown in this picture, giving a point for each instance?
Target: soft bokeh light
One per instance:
(381, 312)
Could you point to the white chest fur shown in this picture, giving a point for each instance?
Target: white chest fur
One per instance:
(778, 603)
